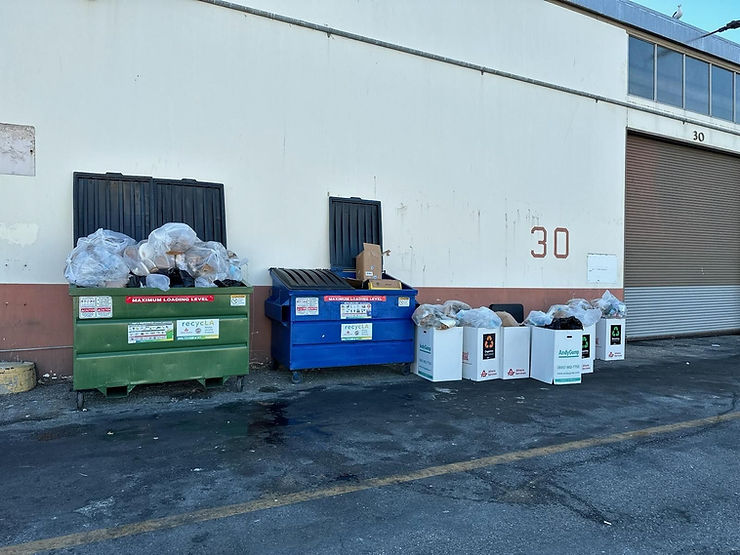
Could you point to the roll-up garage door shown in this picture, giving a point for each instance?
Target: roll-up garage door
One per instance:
(682, 239)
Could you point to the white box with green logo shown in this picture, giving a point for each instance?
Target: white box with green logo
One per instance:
(588, 349)
(610, 339)
(481, 354)
(556, 356)
(438, 354)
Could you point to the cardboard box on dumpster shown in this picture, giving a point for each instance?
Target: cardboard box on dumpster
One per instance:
(556, 356)
(384, 284)
(438, 354)
(515, 345)
(588, 349)
(610, 339)
(481, 354)
(369, 263)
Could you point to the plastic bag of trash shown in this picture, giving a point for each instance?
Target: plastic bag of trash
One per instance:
(482, 317)
(610, 306)
(172, 238)
(204, 282)
(587, 316)
(112, 241)
(158, 281)
(581, 304)
(538, 319)
(507, 320)
(432, 316)
(451, 308)
(93, 265)
(208, 260)
(237, 268)
(560, 311)
(139, 264)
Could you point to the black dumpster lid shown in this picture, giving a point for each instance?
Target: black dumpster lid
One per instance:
(352, 222)
(294, 278)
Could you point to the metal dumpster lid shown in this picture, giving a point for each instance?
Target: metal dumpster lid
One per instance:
(352, 222)
(295, 278)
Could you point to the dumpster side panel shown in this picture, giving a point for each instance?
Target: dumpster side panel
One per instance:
(128, 337)
(327, 328)
(96, 336)
(96, 371)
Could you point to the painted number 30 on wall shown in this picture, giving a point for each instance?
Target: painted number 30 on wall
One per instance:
(561, 242)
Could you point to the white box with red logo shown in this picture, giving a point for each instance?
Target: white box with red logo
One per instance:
(481, 354)
(515, 345)
(610, 339)
(556, 356)
(588, 349)
(438, 354)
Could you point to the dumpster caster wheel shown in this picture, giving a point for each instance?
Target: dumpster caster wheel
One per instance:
(406, 369)
(296, 378)
(80, 400)
(239, 383)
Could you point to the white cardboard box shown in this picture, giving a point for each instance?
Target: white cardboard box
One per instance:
(588, 349)
(515, 344)
(610, 339)
(481, 354)
(438, 354)
(556, 356)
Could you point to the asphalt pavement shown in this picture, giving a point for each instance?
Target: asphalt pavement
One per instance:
(642, 457)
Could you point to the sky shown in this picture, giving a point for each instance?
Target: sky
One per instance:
(705, 14)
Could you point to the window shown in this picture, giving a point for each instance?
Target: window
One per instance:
(721, 93)
(697, 85)
(670, 77)
(641, 68)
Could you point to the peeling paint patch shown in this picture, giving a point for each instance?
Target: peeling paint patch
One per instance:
(19, 234)
(17, 149)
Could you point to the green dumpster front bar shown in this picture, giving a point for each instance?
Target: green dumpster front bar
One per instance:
(131, 336)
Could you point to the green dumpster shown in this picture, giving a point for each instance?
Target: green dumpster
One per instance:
(131, 336)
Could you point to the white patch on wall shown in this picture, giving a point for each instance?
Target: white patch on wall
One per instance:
(602, 268)
(17, 149)
(19, 234)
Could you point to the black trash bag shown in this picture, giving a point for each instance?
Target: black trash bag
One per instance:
(228, 283)
(569, 323)
(136, 281)
(178, 278)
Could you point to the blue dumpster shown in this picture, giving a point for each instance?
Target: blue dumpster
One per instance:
(319, 320)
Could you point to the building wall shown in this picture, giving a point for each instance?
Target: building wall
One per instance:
(465, 164)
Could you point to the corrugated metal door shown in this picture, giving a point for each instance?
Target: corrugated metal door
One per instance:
(682, 239)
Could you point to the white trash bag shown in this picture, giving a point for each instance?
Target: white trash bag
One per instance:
(93, 265)
(482, 317)
(172, 238)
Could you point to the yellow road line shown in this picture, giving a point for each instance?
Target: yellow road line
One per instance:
(271, 502)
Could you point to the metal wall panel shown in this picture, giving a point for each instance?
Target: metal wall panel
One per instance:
(664, 311)
(682, 238)
(136, 205)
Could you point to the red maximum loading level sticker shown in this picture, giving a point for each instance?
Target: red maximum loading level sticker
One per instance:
(354, 298)
(170, 299)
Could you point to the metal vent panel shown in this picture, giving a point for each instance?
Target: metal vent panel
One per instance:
(664, 311)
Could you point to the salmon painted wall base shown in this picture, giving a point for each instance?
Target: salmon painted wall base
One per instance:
(36, 319)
